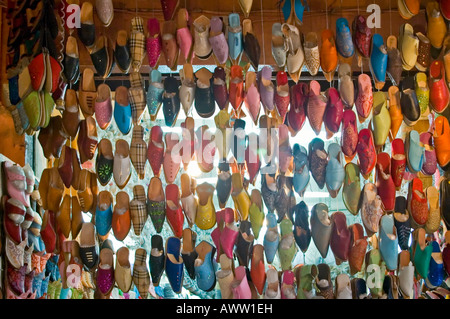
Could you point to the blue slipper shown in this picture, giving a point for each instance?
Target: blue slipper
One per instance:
(174, 264)
(154, 94)
(335, 172)
(271, 240)
(388, 242)
(436, 269)
(344, 41)
(301, 169)
(205, 272)
(415, 152)
(122, 110)
(378, 60)
(235, 36)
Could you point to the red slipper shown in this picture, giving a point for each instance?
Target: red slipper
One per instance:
(385, 184)
(37, 71)
(155, 153)
(398, 162)
(174, 211)
(417, 203)
(366, 152)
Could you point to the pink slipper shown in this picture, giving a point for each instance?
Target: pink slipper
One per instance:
(184, 36)
(364, 101)
(172, 158)
(16, 182)
(316, 107)
(252, 98)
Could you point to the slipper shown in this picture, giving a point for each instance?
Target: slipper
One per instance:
(235, 39)
(141, 276)
(188, 201)
(295, 54)
(122, 54)
(157, 259)
(136, 97)
(312, 53)
(174, 264)
(103, 106)
(156, 204)
(414, 152)
(87, 139)
(154, 42)
(122, 164)
(251, 45)
(172, 158)
(102, 56)
(184, 36)
(138, 210)
(282, 97)
(236, 88)
(328, 54)
(395, 111)
(252, 98)
(87, 31)
(334, 112)
(357, 249)
(202, 46)
(205, 265)
(206, 214)
(266, 88)
(122, 269)
(138, 151)
(187, 88)
(321, 228)
(154, 94)
(434, 217)
(188, 251)
(335, 173)
(378, 61)
(394, 64)
(204, 96)
(429, 165)
(364, 100)
(171, 100)
(71, 115)
(366, 152)
(220, 88)
(121, 218)
(174, 211)
(87, 93)
(169, 43)
(279, 47)
(88, 245)
(316, 107)
(137, 43)
(218, 41)
(273, 290)
(381, 119)
(155, 150)
(72, 60)
(388, 242)
(122, 110)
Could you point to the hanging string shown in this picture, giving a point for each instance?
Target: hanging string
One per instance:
(326, 12)
(262, 32)
(358, 6)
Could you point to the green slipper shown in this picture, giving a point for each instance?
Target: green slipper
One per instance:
(32, 105)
